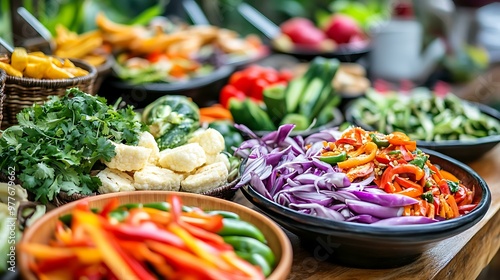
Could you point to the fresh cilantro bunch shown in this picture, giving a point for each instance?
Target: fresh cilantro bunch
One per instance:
(56, 145)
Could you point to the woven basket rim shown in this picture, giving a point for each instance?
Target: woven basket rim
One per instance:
(3, 76)
(56, 82)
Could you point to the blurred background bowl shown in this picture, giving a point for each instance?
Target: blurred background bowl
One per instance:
(462, 150)
(42, 230)
(204, 90)
(369, 246)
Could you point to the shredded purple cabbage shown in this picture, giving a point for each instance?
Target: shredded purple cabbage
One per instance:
(287, 171)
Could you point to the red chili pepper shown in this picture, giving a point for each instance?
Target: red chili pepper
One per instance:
(346, 141)
(411, 189)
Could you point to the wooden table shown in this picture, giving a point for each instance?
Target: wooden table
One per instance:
(461, 257)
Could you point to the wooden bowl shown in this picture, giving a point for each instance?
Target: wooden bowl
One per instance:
(43, 229)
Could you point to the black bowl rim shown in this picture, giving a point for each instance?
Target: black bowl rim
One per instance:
(337, 120)
(196, 82)
(439, 144)
(433, 229)
(341, 50)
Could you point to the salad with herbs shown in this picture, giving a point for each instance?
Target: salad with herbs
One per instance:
(354, 176)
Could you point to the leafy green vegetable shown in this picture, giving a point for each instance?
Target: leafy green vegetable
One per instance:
(172, 119)
(56, 145)
(427, 196)
(453, 186)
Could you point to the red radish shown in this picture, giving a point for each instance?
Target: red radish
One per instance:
(302, 31)
(342, 28)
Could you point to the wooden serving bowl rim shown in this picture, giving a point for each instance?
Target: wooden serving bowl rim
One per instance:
(42, 230)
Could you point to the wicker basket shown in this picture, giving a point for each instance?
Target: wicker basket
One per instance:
(23, 92)
(3, 76)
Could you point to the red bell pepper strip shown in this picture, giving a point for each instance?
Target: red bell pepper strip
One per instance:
(212, 223)
(391, 172)
(464, 209)
(407, 156)
(145, 231)
(142, 253)
(228, 92)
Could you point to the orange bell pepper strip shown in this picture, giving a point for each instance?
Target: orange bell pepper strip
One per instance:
(398, 138)
(447, 175)
(370, 150)
(45, 252)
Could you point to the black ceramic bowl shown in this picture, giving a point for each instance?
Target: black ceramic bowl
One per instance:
(204, 90)
(337, 120)
(369, 246)
(465, 151)
(343, 53)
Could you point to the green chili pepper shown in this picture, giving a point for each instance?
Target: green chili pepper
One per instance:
(224, 214)
(395, 152)
(249, 245)
(257, 260)
(381, 143)
(334, 159)
(66, 219)
(119, 214)
(234, 227)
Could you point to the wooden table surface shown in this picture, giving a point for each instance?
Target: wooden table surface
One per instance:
(461, 257)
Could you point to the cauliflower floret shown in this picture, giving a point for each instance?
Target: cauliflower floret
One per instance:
(147, 140)
(206, 178)
(153, 177)
(220, 157)
(210, 140)
(185, 158)
(129, 158)
(114, 181)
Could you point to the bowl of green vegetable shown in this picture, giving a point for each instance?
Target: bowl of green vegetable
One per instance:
(458, 128)
(155, 235)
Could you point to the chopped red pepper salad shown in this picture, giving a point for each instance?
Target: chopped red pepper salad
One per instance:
(400, 168)
(143, 242)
